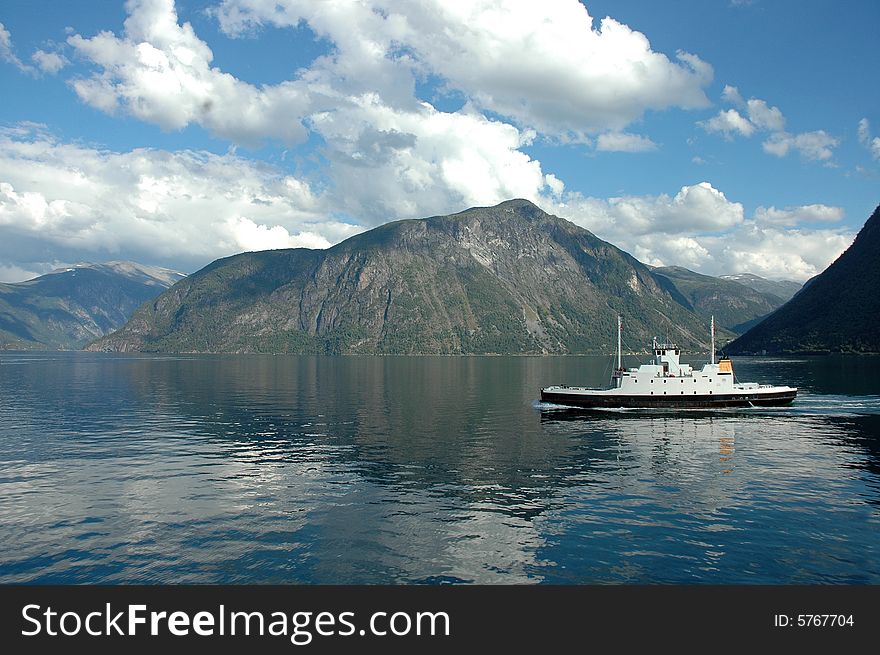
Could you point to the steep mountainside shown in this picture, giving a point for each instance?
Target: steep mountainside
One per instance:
(839, 311)
(504, 279)
(782, 289)
(68, 308)
(732, 303)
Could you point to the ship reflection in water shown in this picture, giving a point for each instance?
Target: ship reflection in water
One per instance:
(261, 469)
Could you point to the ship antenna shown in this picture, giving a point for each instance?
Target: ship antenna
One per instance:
(713, 338)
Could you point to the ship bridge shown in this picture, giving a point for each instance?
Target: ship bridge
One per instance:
(667, 359)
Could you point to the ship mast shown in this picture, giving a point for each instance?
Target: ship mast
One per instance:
(619, 346)
(713, 339)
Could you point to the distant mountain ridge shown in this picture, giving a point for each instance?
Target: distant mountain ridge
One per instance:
(735, 305)
(69, 307)
(503, 279)
(837, 311)
(782, 289)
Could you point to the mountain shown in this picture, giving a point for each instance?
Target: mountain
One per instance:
(70, 307)
(733, 304)
(503, 279)
(839, 311)
(782, 289)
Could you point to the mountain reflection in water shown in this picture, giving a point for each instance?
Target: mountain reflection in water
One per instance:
(262, 469)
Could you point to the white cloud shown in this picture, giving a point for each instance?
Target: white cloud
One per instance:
(7, 52)
(765, 117)
(67, 202)
(872, 144)
(14, 273)
(729, 122)
(387, 163)
(49, 62)
(624, 142)
(160, 72)
(696, 208)
(701, 229)
(778, 254)
(864, 131)
(524, 69)
(543, 64)
(791, 216)
(251, 236)
(731, 95)
(817, 146)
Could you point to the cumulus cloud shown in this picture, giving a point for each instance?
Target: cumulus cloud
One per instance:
(62, 202)
(624, 142)
(696, 208)
(15, 273)
(49, 62)
(161, 72)
(544, 65)
(525, 70)
(765, 117)
(424, 161)
(761, 117)
(66, 202)
(778, 253)
(817, 145)
(729, 122)
(253, 236)
(791, 216)
(701, 229)
(865, 138)
(731, 95)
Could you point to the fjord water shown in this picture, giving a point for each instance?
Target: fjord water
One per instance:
(286, 469)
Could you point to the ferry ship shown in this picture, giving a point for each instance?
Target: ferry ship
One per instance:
(667, 383)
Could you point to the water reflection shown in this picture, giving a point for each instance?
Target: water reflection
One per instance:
(421, 469)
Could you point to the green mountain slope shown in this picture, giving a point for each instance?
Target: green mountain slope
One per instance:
(504, 279)
(839, 311)
(732, 303)
(70, 307)
(782, 289)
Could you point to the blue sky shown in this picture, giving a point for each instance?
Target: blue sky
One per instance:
(722, 136)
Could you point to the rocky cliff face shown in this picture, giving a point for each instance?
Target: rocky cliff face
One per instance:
(837, 311)
(504, 279)
(70, 307)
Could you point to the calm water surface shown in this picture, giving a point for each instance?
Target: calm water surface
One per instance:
(282, 469)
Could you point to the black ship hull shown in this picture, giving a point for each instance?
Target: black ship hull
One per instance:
(612, 401)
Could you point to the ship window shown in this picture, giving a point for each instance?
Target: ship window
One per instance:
(682, 381)
(710, 379)
(664, 381)
(652, 382)
(710, 392)
(664, 393)
(652, 393)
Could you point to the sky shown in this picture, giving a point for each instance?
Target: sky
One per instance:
(724, 136)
